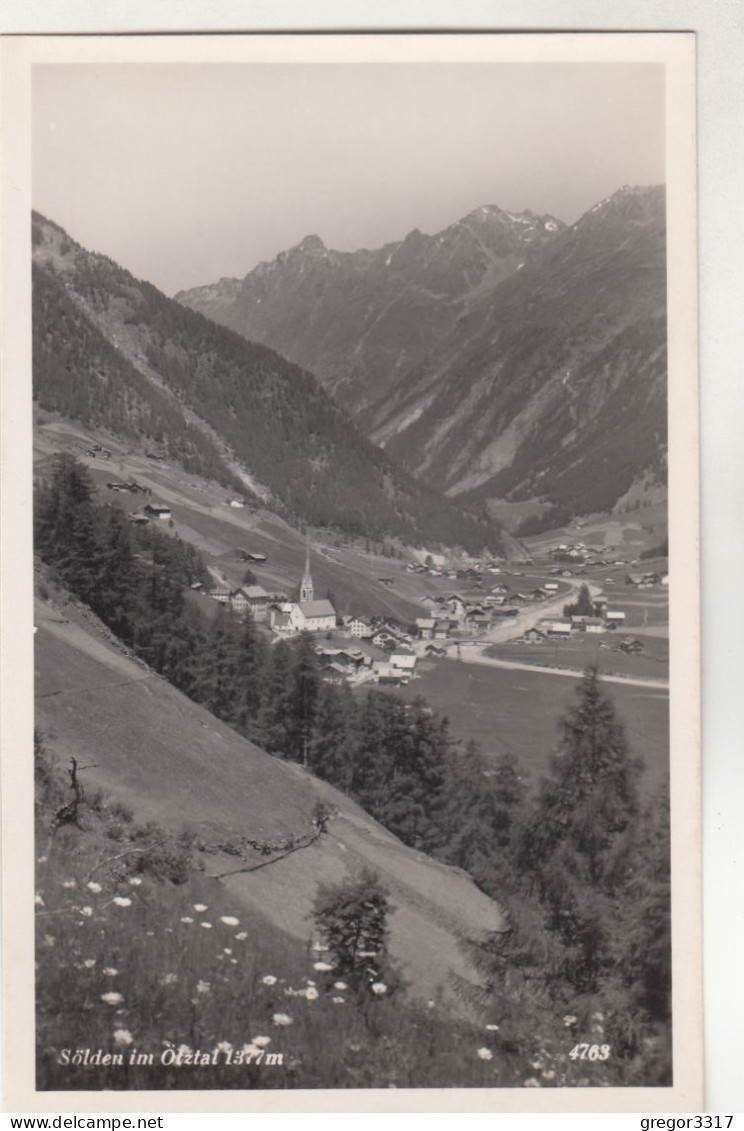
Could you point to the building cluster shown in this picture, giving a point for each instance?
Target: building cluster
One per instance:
(563, 628)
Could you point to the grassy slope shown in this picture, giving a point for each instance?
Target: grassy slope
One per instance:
(170, 760)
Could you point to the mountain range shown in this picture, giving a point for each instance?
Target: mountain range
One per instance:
(509, 357)
(113, 352)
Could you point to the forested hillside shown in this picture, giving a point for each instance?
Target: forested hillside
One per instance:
(116, 352)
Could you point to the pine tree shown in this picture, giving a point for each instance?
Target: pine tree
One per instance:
(352, 919)
(332, 748)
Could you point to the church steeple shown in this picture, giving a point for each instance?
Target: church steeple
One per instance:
(306, 585)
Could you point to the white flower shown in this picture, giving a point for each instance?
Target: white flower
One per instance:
(242, 935)
(135, 881)
(187, 919)
(227, 950)
(206, 926)
(49, 940)
(112, 998)
(224, 1046)
(200, 907)
(531, 1083)
(110, 971)
(89, 963)
(598, 1017)
(69, 884)
(340, 986)
(549, 1075)
(379, 988)
(269, 980)
(485, 1054)
(250, 1050)
(319, 948)
(203, 987)
(569, 1020)
(183, 1050)
(86, 911)
(367, 953)
(311, 993)
(94, 887)
(281, 1019)
(230, 920)
(492, 1028)
(338, 1000)
(122, 1037)
(38, 901)
(168, 979)
(322, 966)
(261, 1042)
(122, 901)
(42, 860)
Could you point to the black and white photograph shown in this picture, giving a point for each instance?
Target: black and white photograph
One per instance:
(362, 412)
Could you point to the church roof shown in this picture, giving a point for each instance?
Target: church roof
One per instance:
(317, 609)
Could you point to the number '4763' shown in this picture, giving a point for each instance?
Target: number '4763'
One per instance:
(590, 1052)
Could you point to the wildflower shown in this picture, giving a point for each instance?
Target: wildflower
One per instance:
(42, 860)
(230, 920)
(69, 884)
(340, 986)
(112, 998)
(224, 1046)
(200, 907)
(250, 1051)
(549, 1075)
(269, 980)
(281, 1019)
(94, 887)
(135, 881)
(367, 953)
(86, 911)
(485, 1054)
(598, 1017)
(338, 1000)
(431, 1004)
(569, 1020)
(38, 901)
(49, 940)
(110, 971)
(379, 988)
(234, 961)
(531, 1082)
(206, 926)
(183, 1050)
(322, 966)
(319, 948)
(311, 993)
(203, 987)
(89, 963)
(227, 950)
(122, 901)
(242, 935)
(492, 1028)
(187, 919)
(168, 979)
(309, 981)
(261, 1042)
(122, 1037)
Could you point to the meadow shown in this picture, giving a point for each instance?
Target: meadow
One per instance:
(584, 649)
(520, 711)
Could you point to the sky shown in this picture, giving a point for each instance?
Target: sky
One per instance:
(185, 173)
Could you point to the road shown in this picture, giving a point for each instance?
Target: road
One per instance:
(473, 654)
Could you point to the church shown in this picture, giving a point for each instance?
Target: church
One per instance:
(307, 614)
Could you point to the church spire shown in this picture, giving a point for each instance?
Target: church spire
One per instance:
(306, 585)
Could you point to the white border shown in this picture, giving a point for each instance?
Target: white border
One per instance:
(676, 53)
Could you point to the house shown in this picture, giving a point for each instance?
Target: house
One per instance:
(138, 519)
(559, 629)
(358, 628)
(384, 639)
(221, 595)
(387, 674)
(155, 510)
(500, 588)
(236, 503)
(518, 599)
(539, 594)
(334, 673)
(551, 587)
(280, 621)
(433, 652)
(403, 663)
(613, 619)
(534, 636)
(425, 627)
(253, 599)
(588, 624)
(441, 629)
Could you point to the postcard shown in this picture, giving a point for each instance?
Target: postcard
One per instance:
(351, 636)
